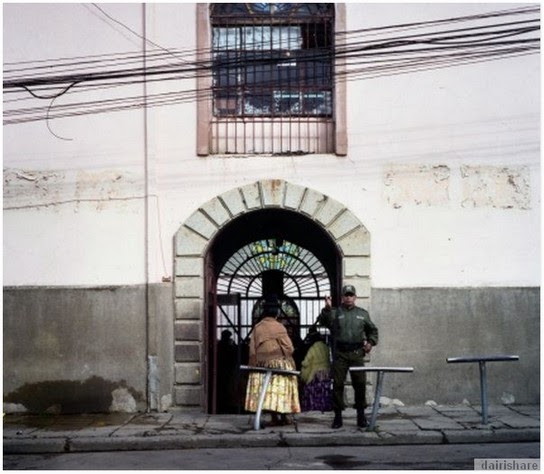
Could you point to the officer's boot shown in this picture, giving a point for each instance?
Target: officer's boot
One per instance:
(337, 422)
(361, 418)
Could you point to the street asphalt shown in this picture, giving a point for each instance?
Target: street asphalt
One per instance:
(442, 424)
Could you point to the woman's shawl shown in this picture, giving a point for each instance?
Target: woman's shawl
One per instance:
(269, 341)
(317, 359)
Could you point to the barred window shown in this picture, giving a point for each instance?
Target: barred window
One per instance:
(272, 78)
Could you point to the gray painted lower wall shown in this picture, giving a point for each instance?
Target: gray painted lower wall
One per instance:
(86, 349)
(422, 327)
(76, 350)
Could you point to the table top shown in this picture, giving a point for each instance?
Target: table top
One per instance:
(382, 369)
(483, 358)
(268, 369)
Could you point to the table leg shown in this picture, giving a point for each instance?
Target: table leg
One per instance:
(376, 404)
(257, 424)
(483, 391)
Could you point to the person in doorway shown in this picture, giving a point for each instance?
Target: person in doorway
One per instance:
(298, 344)
(353, 335)
(270, 346)
(227, 367)
(316, 374)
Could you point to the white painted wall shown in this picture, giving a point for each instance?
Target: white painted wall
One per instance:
(74, 212)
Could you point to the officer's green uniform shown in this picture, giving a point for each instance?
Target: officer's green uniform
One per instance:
(349, 329)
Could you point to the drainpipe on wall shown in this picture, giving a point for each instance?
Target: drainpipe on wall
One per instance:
(151, 347)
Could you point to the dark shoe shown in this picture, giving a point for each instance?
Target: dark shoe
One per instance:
(275, 420)
(286, 420)
(362, 422)
(337, 422)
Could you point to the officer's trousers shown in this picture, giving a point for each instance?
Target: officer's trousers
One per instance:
(340, 365)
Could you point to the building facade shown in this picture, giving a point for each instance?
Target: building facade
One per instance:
(166, 165)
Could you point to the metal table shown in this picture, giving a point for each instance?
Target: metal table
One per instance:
(268, 375)
(379, 382)
(483, 374)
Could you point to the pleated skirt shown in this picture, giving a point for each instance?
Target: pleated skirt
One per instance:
(317, 395)
(282, 391)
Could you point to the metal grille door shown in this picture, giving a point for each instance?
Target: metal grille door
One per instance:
(276, 266)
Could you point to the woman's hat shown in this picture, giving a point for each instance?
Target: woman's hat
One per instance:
(271, 304)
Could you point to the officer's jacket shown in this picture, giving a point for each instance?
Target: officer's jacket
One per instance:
(349, 326)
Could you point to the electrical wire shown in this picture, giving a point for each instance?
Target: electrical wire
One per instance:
(366, 53)
(363, 33)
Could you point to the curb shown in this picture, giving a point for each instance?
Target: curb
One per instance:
(143, 443)
(492, 436)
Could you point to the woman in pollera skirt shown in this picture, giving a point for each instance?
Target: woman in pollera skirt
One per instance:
(316, 374)
(271, 347)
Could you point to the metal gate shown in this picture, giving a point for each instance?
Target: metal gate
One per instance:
(269, 266)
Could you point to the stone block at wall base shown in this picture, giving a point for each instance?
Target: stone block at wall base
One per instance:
(187, 395)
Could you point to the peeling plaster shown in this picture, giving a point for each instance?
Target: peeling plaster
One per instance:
(497, 187)
(417, 185)
(39, 188)
(14, 408)
(122, 401)
(166, 402)
(25, 186)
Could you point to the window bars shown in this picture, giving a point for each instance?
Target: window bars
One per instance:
(272, 68)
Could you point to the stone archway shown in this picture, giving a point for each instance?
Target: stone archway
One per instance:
(192, 242)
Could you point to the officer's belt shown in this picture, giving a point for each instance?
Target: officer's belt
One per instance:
(348, 346)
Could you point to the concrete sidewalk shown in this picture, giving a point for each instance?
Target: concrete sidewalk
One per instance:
(184, 430)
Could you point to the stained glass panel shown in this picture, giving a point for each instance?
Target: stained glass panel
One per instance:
(299, 10)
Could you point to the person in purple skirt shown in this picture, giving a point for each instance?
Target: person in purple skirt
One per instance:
(315, 375)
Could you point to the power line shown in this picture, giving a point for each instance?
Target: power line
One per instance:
(368, 53)
(135, 58)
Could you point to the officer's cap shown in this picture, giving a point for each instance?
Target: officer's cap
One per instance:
(349, 290)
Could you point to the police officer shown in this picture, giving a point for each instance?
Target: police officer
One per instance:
(353, 336)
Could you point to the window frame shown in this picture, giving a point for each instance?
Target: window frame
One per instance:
(205, 82)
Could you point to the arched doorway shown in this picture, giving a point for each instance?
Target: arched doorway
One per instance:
(277, 224)
(269, 251)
